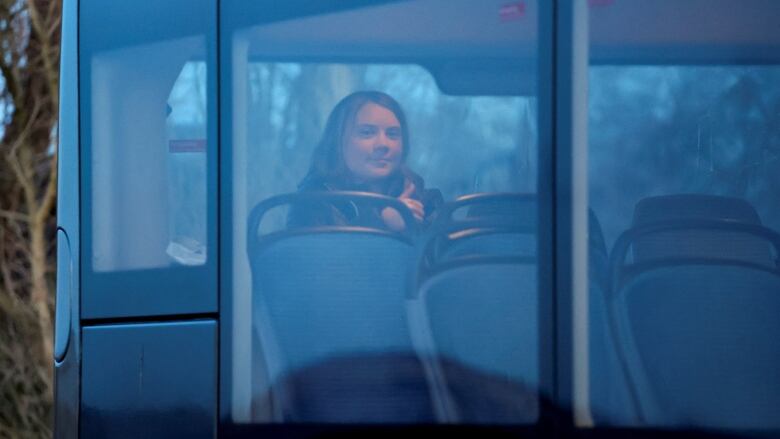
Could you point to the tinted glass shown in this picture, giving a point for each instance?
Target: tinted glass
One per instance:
(148, 150)
(684, 141)
(407, 298)
(148, 160)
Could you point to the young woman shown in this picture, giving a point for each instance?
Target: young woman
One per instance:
(364, 148)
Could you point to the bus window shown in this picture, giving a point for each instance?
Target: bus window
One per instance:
(155, 165)
(683, 165)
(186, 137)
(148, 158)
(340, 319)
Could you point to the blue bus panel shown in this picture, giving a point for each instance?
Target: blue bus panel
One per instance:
(154, 380)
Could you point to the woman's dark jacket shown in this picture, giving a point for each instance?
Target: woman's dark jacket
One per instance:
(322, 213)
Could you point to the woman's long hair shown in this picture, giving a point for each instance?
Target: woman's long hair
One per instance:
(328, 157)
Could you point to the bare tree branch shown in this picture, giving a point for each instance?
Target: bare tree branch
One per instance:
(46, 58)
(29, 57)
(14, 216)
(50, 196)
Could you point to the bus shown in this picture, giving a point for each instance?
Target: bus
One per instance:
(602, 259)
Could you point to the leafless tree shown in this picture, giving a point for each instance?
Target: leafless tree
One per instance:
(29, 64)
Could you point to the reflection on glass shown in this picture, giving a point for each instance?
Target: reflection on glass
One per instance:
(684, 163)
(384, 265)
(186, 137)
(148, 156)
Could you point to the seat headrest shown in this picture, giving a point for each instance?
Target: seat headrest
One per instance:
(693, 206)
(699, 243)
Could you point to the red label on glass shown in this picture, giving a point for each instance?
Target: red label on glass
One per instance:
(187, 145)
(512, 11)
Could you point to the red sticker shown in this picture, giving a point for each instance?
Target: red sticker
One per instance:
(512, 11)
(187, 145)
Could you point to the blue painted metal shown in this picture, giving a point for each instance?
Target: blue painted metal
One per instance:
(68, 349)
(546, 213)
(174, 290)
(150, 380)
(64, 297)
(568, 76)
(226, 234)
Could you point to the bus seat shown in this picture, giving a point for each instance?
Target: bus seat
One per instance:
(476, 305)
(483, 315)
(610, 402)
(697, 323)
(333, 292)
(494, 224)
(691, 242)
(326, 292)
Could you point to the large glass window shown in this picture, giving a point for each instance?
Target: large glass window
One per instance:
(383, 165)
(684, 159)
(148, 161)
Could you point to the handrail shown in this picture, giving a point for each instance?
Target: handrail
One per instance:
(255, 219)
(446, 211)
(445, 226)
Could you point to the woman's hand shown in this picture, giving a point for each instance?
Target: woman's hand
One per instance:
(392, 217)
(414, 205)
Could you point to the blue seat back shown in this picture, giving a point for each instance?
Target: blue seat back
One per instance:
(695, 314)
(478, 301)
(321, 294)
(701, 345)
(493, 329)
(328, 294)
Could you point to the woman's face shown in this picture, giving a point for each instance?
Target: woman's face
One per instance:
(373, 146)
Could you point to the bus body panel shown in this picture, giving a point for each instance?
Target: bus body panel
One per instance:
(152, 380)
(67, 379)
